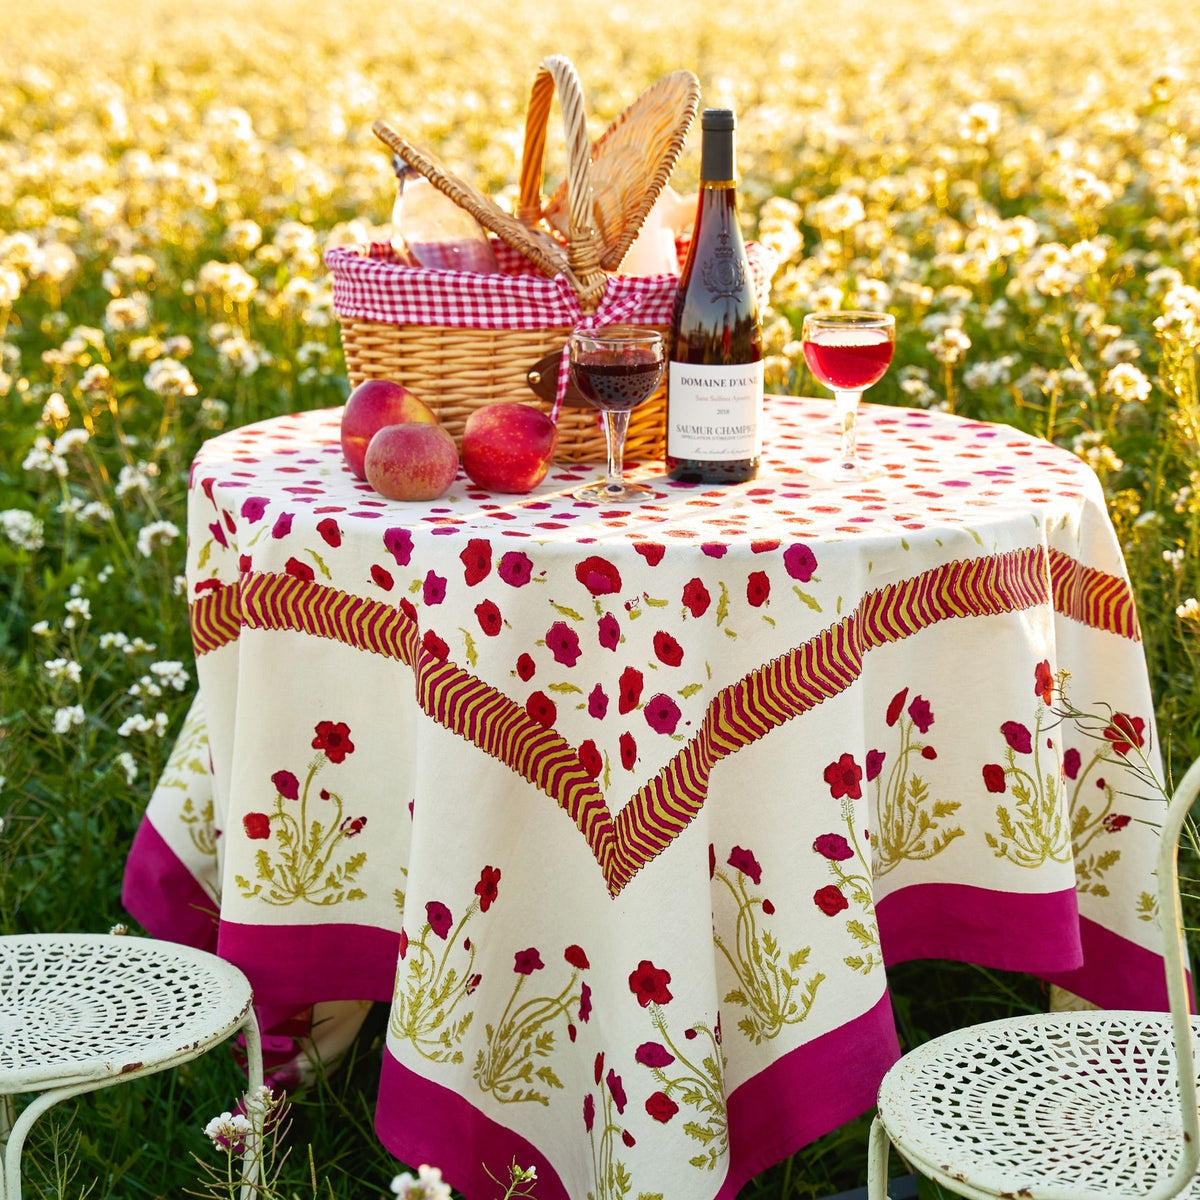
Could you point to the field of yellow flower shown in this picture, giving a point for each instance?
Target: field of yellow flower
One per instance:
(1018, 182)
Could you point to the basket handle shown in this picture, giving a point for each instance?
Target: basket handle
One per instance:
(583, 251)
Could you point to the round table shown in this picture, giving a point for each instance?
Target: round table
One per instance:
(626, 810)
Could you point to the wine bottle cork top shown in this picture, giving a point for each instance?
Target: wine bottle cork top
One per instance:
(719, 120)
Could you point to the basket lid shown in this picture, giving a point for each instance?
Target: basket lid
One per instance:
(632, 162)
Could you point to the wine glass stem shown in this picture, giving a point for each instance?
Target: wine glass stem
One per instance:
(616, 425)
(847, 410)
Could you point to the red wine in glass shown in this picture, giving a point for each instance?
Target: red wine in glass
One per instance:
(616, 368)
(848, 352)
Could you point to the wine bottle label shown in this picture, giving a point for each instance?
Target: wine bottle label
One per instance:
(713, 411)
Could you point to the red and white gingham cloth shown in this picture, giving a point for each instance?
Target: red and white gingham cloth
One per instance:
(369, 284)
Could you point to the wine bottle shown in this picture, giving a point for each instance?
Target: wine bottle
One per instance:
(715, 380)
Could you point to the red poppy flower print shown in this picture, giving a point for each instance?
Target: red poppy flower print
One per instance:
(628, 747)
(585, 1002)
(667, 650)
(844, 778)
(476, 559)
(616, 1089)
(874, 763)
(653, 1054)
(253, 508)
(896, 707)
(488, 887)
(662, 714)
(649, 984)
(1125, 732)
(768, 908)
(525, 668)
(696, 598)
(489, 618)
(928, 752)
(541, 709)
(744, 861)
(1043, 681)
(218, 532)
(921, 714)
(800, 562)
(299, 569)
(353, 826)
(433, 591)
(403, 942)
(439, 918)
(628, 1138)
(714, 549)
(589, 1112)
(434, 646)
(286, 784)
(833, 847)
(1072, 761)
(406, 607)
(525, 962)
(282, 526)
(576, 957)
(758, 589)
(257, 825)
(515, 568)
(598, 575)
(330, 532)
(993, 777)
(830, 900)
(661, 1107)
(652, 552)
(590, 760)
(1017, 736)
(609, 631)
(399, 544)
(334, 738)
(382, 577)
(1115, 822)
(597, 703)
(563, 642)
(631, 690)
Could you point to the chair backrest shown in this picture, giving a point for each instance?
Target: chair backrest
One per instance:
(1170, 919)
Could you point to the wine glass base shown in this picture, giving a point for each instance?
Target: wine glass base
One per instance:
(613, 493)
(837, 471)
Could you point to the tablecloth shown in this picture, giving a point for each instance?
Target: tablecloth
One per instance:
(626, 810)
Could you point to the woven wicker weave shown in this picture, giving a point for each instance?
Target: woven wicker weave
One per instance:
(457, 370)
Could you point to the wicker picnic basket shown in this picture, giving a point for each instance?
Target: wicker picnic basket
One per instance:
(462, 340)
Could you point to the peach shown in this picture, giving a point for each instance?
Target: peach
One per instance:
(508, 447)
(413, 461)
(372, 405)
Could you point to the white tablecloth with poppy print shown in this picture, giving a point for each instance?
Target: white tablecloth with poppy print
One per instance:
(625, 811)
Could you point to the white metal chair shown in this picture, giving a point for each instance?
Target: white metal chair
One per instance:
(1058, 1106)
(79, 1012)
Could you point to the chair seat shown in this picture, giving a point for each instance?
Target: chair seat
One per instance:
(76, 1008)
(1068, 1102)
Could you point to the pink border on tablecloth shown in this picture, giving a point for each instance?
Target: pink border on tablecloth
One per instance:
(289, 966)
(1042, 935)
(771, 1115)
(162, 895)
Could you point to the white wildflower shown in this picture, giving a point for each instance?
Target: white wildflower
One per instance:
(65, 719)
(22, 529)
(157, 533)
(426, 1185)
(127, 314)
(173, 674)
(56, 410)
(1189, 610)
(69, 439)
(63, 668)
(42, 458)
(128, 764)
(167, 377)
(1127, 383)
(949, 346)
(95, 378)
(135, 479)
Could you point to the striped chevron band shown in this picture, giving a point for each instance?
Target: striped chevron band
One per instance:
(736, 716)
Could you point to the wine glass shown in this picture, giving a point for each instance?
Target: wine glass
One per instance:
(616, 367)
(848, 352)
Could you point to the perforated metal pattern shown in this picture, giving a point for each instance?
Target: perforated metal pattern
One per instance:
(75, 1007)
(1068, 1101)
